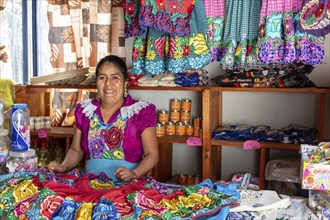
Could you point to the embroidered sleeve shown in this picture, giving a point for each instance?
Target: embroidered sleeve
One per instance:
(147, 117)
(79, 116)
(84, 109)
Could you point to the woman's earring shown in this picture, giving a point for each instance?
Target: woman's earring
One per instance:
(125, 93)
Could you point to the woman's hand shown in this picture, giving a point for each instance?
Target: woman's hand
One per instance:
(124, 174)
(56, 168)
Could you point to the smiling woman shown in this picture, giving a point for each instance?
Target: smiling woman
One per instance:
(115, 132)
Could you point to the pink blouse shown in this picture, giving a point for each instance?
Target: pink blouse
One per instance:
(140, 115)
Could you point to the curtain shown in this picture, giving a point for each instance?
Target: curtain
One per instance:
(81, 32)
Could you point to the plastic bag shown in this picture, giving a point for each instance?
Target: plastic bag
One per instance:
(285, 170)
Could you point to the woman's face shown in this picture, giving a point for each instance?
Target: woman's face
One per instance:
(110, 84)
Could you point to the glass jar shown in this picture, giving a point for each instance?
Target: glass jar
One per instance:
(4, 149)
(20, 127)
(22, 161)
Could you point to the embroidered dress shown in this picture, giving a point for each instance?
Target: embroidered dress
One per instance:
(157, 51)
(40, 195)
(109, 145)
(215, 12)
(240, 33)
(277, 32)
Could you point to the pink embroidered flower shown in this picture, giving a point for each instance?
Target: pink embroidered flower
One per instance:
(125, 208)
(135, 54)
(113, 137)
(146, 203)
(49, 205)
(203, 190)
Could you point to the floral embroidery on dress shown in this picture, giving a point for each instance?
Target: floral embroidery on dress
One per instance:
(113, 137)
(105, 140)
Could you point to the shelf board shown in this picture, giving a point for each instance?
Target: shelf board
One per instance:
(180, 139)
(269, 145)
(58, 132)
(130, 87)
(68, 132)
(287, 90)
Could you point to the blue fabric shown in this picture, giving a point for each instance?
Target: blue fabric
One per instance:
(97, 166)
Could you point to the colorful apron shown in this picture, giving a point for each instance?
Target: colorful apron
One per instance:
(105, 146)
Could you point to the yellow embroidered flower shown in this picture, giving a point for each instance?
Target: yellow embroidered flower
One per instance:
(169, 205)
(177, 54)
(4, 205)
(151, 55)
(94, 122)
(119, 123)
(98, 185)
(24, 189)
(148, 213)
(118, 154)
(84, 212)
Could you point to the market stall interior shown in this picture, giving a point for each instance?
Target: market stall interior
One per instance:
(165, 109)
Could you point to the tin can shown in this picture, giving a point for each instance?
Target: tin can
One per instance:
(189, 129)
(185, 116)
(196, 132)
(175, 104)
(170, 128)
(186, 105)
(162, 116)
(190, 180)
(175, 115)
(197, 179)
(180, 128)
(182, 179)
(197, 123)
(160, 129)
(20, 127)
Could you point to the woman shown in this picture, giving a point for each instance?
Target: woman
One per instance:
(116, 133)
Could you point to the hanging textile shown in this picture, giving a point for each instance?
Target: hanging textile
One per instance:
(163, 47)
(82, 32)
(279, 41)
(215, 13)
(240, 33)
(315, 17)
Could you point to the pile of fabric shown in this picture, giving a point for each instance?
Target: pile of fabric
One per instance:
(41, 195)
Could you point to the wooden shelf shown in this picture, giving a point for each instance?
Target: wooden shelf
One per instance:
(130, 87)
(58, 132)
(287, 90)
(269, 145)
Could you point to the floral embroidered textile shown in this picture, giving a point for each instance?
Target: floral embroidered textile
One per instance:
(35, 197)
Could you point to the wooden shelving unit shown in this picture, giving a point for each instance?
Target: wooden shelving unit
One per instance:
(38, 99)
(212, 119)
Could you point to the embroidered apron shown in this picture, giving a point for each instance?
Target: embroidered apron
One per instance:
(105, 143)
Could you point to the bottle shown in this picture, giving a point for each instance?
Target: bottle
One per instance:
(43, 159)
(20, 127)
(35, 145)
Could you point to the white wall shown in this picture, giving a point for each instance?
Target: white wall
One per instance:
(275, 109)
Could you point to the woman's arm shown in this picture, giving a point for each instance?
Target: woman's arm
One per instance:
(72, 157)
(150, 152)
(149, 160)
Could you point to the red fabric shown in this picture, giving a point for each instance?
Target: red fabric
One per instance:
(83, 192)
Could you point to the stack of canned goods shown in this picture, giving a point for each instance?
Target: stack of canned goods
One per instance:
(176, 120)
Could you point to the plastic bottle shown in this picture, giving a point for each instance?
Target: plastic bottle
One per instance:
(20, 127)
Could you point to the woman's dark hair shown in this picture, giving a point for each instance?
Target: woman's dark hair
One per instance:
(115, 60)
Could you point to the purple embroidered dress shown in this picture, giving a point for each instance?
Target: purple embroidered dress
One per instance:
(109, 145)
